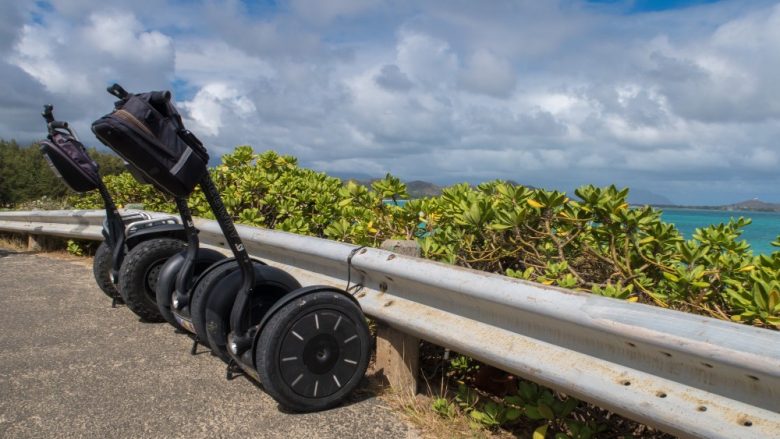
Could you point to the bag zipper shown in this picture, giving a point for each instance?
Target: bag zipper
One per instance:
(128, 117)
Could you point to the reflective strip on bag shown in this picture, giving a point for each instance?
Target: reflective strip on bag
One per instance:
(177, 167)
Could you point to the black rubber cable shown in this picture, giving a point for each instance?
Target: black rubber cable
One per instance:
(357, 286)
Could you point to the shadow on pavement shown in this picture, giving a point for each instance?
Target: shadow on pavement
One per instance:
(370, 387)
(4, 252)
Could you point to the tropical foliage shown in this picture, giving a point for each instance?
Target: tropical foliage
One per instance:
(595, 243)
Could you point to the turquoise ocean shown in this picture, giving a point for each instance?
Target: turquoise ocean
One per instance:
(764, 229)
(759, 234)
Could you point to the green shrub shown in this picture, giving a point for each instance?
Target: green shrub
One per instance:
(597, 243)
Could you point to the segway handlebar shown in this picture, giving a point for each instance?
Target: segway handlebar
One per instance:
(159, 97)
(48, 113)
(51, 124)
(117, 91)
(58, 124)
(155, 98)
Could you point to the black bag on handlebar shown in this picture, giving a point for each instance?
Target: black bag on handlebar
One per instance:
(146, 131)
(68, 158)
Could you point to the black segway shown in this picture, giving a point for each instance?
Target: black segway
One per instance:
(69, 160)
(185, 276)
(179, 272)
(309, 347)
(180, 288)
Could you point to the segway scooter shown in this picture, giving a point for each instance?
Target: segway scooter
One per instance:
(180, 279)
(308, 347)
(69, 160)
(180, 292)
(177, 275)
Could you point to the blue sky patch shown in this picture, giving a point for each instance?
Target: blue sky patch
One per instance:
(639, 6)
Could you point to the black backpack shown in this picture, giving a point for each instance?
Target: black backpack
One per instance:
(146, 131)
(67, 156)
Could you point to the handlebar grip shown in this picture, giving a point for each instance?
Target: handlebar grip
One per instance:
(57, 124)
(159, 97)
(48, 113)
(117, 91)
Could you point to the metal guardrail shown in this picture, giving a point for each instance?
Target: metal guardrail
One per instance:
(81, 224)
(689, 375)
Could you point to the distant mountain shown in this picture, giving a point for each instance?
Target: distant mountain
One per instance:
(755, 205)
(642, 197)
(420, 189)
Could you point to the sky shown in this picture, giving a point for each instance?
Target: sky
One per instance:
(677, 98)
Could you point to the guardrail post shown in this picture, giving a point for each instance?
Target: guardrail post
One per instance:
(397, 353)
(36, 243)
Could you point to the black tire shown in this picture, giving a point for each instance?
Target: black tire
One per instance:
(101, 268)
(211, 307)
(138, 275)
(200, 294)
(166, 283)
(313, 352)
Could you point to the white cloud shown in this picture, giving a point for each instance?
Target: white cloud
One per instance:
(392, 78)
(489, 74)
(36, 55)
(213, 101)
(322, 12)
(201, 61)
(120, 35)
(548, 93)
(426, 59)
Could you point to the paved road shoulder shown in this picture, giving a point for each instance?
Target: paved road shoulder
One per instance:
(71, 366)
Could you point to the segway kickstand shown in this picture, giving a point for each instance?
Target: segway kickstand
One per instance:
(233, 368)
(195, 343)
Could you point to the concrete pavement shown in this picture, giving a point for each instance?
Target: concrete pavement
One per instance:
(71, 366)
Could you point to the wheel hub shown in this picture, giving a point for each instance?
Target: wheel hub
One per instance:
(151, 279)
(319, 353)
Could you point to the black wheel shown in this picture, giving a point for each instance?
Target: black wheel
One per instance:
(166, 282)
(101, 268)
(211, 307)
(199, 296)
(139, 273)
(313, 351)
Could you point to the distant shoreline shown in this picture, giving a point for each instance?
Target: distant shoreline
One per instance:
(730, 208)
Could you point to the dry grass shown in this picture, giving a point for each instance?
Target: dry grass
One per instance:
(13, 242)
(418, 411)
(54, 248)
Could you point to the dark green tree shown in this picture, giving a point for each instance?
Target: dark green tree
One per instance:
(25, 175)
